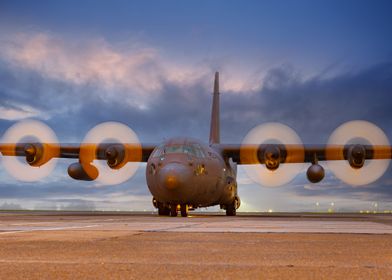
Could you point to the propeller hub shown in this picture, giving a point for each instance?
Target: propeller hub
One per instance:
(357, 154)
(30, 150)
(272, 157)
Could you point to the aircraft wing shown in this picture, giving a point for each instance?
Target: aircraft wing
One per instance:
(39, 155)
(263, 163)
(260, 154)
(34, 152)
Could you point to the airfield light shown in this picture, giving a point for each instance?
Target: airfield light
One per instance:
(317, 206)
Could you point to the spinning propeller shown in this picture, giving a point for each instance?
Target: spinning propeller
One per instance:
(37, 143)
(358, 153)
(270, 162)
(361, 143)
(118, 145)
(110, 152)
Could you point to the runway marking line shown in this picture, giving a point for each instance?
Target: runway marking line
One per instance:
(48, 229)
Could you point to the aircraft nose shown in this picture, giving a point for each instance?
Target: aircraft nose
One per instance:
(173, 176)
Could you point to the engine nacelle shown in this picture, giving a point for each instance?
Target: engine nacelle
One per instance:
(356, 156)
(37, 154)
(84, 172)
(271, 157)
(115, 155)
(315, 173)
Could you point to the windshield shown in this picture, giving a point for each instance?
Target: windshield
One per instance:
(190, 149)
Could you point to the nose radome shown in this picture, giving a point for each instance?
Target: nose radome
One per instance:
(173, 176)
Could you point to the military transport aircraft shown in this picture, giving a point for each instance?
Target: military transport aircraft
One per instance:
(184, 174)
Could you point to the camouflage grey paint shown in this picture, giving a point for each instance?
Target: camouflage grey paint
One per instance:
(197, 178)
(183, 178)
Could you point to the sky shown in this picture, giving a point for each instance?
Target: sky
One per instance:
(311, 65)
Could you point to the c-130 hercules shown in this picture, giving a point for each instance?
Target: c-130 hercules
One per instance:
(184, 174)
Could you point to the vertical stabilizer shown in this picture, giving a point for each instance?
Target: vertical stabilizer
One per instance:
(214, 129)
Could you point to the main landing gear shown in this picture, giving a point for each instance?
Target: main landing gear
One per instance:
(172, 209)
(183, 210)
(163, 209)
(231, 209)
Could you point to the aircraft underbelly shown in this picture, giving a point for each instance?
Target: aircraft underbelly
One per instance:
(199, 192)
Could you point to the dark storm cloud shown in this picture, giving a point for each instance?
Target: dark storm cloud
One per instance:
(312, 106)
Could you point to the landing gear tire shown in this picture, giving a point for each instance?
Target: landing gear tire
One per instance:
(184, 210)
(173, 210)
(231, 209)
(163, 211)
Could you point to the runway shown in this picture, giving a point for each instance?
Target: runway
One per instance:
(14, 222)
(67, 245)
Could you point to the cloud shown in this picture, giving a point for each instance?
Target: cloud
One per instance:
(129, 70)
(14, 112)
(84, 205)
(75, 84)
(10, 206)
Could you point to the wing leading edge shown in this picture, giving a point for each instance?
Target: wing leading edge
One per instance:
(257, 154)
(353, 172)
(136, 152)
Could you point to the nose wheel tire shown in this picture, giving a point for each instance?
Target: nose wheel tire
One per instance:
(184, 210)
(173, 210)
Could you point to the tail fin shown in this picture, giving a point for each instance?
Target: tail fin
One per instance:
(214, 128)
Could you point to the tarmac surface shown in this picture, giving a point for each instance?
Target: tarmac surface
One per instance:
(90, 245)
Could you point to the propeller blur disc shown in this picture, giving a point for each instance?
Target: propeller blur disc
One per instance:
(110, 132)
(25, 131)
(354, 131)
(272, 133)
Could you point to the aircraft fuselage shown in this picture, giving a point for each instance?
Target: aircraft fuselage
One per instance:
(185, 171)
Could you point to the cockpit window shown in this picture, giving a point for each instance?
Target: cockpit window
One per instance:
(190, 149)
(158, 152)
(174, 149)
(199, 151)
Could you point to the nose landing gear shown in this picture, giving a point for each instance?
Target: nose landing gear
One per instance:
(183, 209)
(173, 210)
